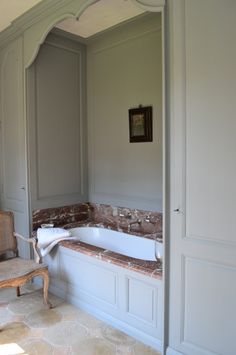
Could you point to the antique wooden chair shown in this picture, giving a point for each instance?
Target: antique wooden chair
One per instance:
(15, 271)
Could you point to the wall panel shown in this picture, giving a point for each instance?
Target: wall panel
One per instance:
(57, 123)
(13, 150)
(124, 71)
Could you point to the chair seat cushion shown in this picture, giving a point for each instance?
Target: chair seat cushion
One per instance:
(17, 267)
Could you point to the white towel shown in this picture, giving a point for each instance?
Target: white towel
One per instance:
(49, 237)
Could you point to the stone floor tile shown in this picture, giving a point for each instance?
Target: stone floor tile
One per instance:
(95, 332)
(43, 318)
(37, 347)
(89, 321)
(68, 311)
(93, 346)
(6, 294)
(65, 333)
(13, 332)
(36, 333)
(124, 350)
(26, 303)
(117, 337)
(17, 318)
(5, 315)
(71, 313)
(141, 349)
(62, 350)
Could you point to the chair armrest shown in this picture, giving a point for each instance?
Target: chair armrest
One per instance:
(34, 242)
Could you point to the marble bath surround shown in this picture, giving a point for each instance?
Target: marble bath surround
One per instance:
(103, 282)
(145, 224)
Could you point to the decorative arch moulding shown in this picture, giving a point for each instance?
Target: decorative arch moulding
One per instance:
(150, 5)
(29, 18)
(47, 8)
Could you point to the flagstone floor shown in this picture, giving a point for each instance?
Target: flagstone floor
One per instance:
(27, 327)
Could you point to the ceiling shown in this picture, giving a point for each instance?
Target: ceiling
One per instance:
(100, 16)
(96, 18)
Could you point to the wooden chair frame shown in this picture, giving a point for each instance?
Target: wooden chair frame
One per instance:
(36, 268)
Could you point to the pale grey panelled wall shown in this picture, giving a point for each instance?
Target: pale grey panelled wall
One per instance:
(13, 139)
(125, 71)
(57, 124)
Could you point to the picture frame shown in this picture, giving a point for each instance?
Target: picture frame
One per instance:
(140, 124)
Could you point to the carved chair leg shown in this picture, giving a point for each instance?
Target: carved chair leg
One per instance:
(18, 291)
(45, 289)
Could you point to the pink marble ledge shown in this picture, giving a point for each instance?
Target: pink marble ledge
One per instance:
(150, 268)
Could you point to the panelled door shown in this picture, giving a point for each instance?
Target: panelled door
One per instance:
(13, 152)
(202, 310)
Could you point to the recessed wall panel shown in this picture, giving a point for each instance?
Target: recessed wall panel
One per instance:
(57, 121)
(210, 121)
(141, 301)
(11, 129)
(210, 306)
(96, 281)
(56, 99)
(125, 71)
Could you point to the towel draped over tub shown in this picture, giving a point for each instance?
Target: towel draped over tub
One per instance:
(49, 237)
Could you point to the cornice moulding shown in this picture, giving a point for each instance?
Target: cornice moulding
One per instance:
(29, 18)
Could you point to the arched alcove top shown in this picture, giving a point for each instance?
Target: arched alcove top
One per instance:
(35, 35)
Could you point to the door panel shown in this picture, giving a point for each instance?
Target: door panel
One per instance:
(210, 120)
(13, 192)
(203, 174)
(207, 286)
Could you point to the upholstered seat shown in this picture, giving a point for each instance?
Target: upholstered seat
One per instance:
(17, 267)
(15, 271)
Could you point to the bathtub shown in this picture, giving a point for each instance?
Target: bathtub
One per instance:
(122, 243)
(120, 296)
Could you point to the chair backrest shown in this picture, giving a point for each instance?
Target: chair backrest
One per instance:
(8, 241)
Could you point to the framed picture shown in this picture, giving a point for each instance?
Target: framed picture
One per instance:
(140, 124)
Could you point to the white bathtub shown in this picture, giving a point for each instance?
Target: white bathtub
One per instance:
(122, 243)
(124, 298)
